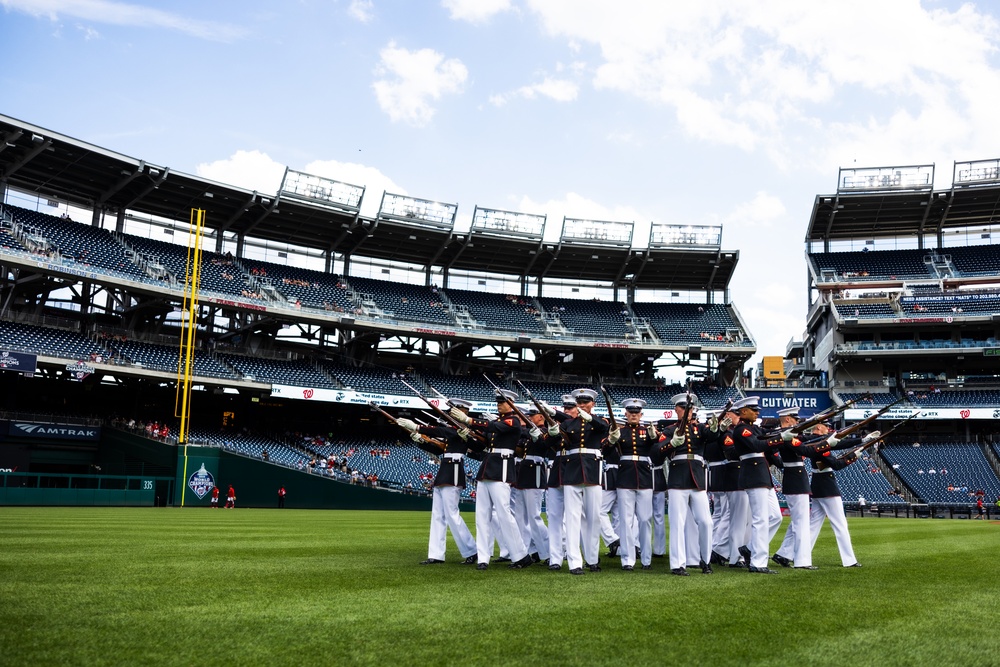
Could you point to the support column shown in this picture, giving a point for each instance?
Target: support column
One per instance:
(120, 221)
(95, 221)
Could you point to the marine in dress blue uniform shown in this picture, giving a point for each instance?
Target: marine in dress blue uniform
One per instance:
(631, 445)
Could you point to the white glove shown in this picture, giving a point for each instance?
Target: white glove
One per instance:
(652, 433)
(463, 433)
(677, 440)
(585, 416)
(833, 440)
(407, 424)
(614, 435)
(874, 435)
(713, 424)
(554, 430)
(535, 432)
(787, 436)
(725, 423)
(547, 409)
(415, 437)
(460, 416)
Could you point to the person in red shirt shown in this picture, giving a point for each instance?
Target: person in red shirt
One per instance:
(281, 497)
(231, 498)
(979, 508)
(215, 497)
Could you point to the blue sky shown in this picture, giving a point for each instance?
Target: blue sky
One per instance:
(712, 112)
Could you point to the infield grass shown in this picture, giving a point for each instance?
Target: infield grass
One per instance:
(127, 586)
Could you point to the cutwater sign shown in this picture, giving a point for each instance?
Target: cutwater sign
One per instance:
(772, 400)
(201, 482)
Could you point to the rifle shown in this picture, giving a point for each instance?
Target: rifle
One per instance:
(549, 421)
(513, 406)
(682, 423)
(864, 422)
(799, 428)
(885, 435)
(607, 401)
(392, 420)
(442, 414)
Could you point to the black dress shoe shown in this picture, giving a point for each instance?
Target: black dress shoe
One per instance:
(745, 552)
(659, 555)
(502, 559)
(471, 560)
(482, 566)
(535, 558)
(761, 570)
(613, 548)
(706, 568)
(594, 568)
(647, 567)
(576, 570)
(740, 564)
(717, 559)
(806, 567)
(431, 561)
(781, 560)
(555, 568)
(627, 568)
(855, 565)
(680, 572)
(521, 564)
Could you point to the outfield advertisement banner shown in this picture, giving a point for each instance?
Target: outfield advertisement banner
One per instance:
(21, 429)
(855, 414)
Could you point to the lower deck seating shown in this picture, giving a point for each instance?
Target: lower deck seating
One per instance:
(930, 469)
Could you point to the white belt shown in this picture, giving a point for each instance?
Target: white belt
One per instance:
(612, 466)
(824, 470)
(540, 460)
(644, 459)
(687, 457)
(755, 455)
(583, 450)
(453, 457)
(800, 464)
(715, 464)
(502, 451)
(659, 467)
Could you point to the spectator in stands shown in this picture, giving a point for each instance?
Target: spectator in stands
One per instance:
(265, 455)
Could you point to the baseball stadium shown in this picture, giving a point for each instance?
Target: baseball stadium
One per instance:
(338, 423)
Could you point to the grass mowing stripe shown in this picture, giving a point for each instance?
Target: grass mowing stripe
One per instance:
(130, 585)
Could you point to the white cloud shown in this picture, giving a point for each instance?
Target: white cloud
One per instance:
(362, 10)
(416, 79)
(254, 170)
(764, 210)
(559, 90)
(124, 14)
(475, 11)
(88, 33)
(767, 76)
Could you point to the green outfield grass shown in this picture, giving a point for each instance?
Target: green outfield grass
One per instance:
(286, 587)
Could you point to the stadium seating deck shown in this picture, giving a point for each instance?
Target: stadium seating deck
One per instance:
(498, 311)
(83, 244)
(277, 371)
(402, 301)
(165, 357)
(312, 289)
(590, 318)
(874, 265)
(705, 324)
(48, 341)
(930, 468)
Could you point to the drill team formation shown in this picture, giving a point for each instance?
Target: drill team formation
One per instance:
(601, 479)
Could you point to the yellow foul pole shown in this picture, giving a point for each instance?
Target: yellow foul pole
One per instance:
(185, 357)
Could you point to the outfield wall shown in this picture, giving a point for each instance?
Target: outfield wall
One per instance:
(256, 482)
